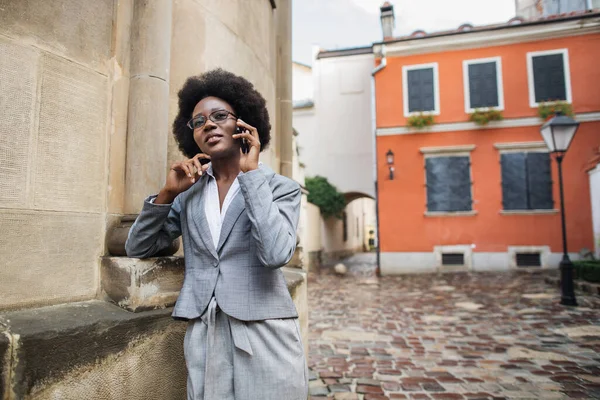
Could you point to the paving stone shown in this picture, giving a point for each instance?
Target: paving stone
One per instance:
(345, 396)
(318, 391)
(338, 388)
(376, 397)
(368, 382)
(368, 389)
(474, 335)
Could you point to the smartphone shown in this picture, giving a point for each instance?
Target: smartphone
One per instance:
(244, 145)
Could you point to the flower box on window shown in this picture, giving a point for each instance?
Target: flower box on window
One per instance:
(421, 120)
(483, 117)
(549, 109)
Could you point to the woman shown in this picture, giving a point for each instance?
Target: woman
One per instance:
(238, 221)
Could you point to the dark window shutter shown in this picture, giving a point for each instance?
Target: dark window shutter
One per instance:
(448, 184)
(549, 78)
(421, 95)
(483, 86)
(539, 181)
(514, 181)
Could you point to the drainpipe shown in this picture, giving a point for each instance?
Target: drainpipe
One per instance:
(374, 148)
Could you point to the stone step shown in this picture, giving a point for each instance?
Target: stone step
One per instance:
(74, 350)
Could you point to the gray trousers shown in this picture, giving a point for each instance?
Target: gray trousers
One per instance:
(229, 359)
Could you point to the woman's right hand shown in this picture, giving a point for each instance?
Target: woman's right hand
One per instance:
(181, 177)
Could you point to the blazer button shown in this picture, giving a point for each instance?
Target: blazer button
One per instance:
(216, 264)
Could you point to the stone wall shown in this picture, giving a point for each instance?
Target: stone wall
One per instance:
(81, 144)
(53, 148)
(239, 38)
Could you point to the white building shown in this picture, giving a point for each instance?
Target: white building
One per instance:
(542, 8)
(333, 118)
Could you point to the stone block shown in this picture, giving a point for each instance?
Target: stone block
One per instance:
(18, 68)
(48, 257)
(72, 132)
(137, 285)
(297, 285)
(94, 350)
(80, 30)
(147, 140)
(5, 363)
(151, 34)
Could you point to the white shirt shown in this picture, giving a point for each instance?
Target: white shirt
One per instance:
(214, 214)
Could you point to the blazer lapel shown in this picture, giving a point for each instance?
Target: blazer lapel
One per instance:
(233, 213)
(200, 219)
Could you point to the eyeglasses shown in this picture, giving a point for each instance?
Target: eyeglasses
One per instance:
(216, 116)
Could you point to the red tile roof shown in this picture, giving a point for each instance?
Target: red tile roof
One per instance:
(513, 21)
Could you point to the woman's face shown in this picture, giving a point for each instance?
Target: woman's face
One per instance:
(215, 138)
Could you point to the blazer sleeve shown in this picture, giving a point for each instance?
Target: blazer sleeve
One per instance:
(154, 229)
(273, 213)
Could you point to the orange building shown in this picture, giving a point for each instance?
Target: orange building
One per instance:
(480, 197)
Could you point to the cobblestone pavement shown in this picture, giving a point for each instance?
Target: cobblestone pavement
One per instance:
(450, 336)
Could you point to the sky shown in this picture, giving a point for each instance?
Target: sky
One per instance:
(334, 24)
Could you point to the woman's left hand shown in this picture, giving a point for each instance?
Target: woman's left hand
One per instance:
(249, 160)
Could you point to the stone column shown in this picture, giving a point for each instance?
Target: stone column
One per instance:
(119, 77)
(148, 116)
(284, 85)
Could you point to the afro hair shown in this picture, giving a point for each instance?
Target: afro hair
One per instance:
(247, 103)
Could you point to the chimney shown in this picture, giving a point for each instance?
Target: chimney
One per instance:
(388, 20)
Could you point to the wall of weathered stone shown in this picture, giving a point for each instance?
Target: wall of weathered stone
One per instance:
(53, 147)
(239, 38)
(69, 96)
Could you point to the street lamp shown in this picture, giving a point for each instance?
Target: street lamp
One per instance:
(558, 134)
(390, 162)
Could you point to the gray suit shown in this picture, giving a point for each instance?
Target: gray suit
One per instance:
(257, 237)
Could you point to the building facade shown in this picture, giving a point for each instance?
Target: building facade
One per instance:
(338, 147)
(484, 197)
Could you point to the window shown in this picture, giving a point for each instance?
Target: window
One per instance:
(448, 183)
(483, 84)
(549, 77)
(421, 89)
(453, 259)
(529, 259)
(526, 181)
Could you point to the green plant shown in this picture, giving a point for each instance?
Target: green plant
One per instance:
(420, 120)
(482, 117)
(588, 270)
(551, 108)
(325, 196)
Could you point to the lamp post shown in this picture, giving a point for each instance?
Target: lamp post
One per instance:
(390, 162)
(558, 134)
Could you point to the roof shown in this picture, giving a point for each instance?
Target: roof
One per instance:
(513, 22)
(463, 29)
(345, 52)
(307, 103)
(302, 64)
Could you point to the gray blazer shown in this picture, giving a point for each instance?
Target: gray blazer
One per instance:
(258, 237)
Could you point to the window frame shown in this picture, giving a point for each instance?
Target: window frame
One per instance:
(523, 147)
(449, 151)
(436, 88)
(530, 76)
(499, 83)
